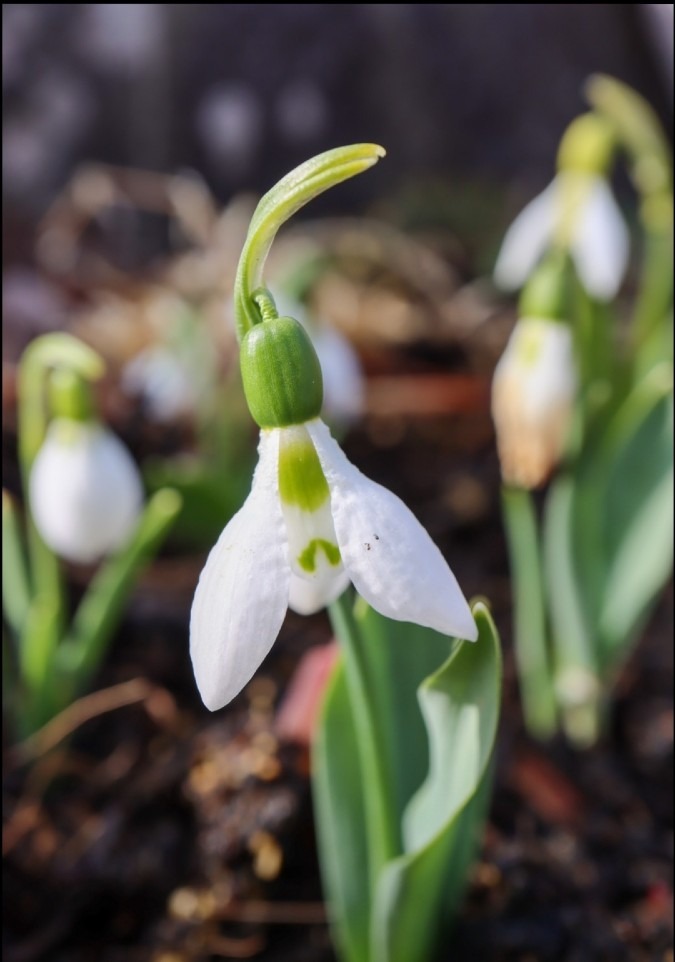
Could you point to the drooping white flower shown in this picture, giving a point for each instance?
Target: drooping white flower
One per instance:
(578, 211)
(85, 490)
(533, 392)
(312, 523)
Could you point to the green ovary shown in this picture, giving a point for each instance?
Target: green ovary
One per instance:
(307, 559)
(301, 480)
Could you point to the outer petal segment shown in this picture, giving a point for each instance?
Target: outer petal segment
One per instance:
(242, 595)
(85, 491)
(601, 244)
(526, 240)
(388, 555)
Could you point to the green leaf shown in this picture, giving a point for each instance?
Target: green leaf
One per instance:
(339, 804)
(355, 778)
(635, 493)
(535, 669)
(416, 892)
(38, 642)
(400, 656)
(385, 661)
(98, 614)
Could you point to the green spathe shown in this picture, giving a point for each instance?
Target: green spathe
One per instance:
(281, 373)
(587, 145)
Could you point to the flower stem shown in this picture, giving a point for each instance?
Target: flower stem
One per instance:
(532, 654)
(382, 832)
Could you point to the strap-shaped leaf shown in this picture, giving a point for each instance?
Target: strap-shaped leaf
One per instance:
(636, 469)
(339, 802)
(99, 612)
(396, 658)
(418, 890)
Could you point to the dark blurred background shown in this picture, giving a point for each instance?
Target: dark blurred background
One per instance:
(243, 92)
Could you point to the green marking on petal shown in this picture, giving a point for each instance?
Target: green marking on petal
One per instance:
(307, 560)
(301, 480)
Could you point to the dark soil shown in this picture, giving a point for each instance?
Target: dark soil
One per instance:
(161, 833)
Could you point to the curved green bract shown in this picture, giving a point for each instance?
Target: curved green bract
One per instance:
(70, 396)
(280, 203)
(639, 130)
(59, 351)
(587, 145)
(281, 374)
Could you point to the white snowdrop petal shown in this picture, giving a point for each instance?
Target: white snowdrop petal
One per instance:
(388, 555)
(526, 240)
(85, 491)
(601, 243)
(242, 595)
(306, 597)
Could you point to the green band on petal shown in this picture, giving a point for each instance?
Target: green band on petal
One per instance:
(301, 480)
(307, 560)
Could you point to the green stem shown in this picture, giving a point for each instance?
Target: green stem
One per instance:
(99, 612)
(531, 648)
(38, 644)
(15, 580)
(383, 834)
(577, 684)
(279, 204)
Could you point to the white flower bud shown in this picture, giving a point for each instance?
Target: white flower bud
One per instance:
(533, 393)
(85, 491)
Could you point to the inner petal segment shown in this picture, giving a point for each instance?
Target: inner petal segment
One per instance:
(305, 503)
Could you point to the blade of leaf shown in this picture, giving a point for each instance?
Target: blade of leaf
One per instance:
(400, 656)
(39, 640)
(638, 519)
(339, 806)
(99, 611)
(460, 704)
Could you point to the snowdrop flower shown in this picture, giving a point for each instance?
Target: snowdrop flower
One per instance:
(576, 212)
(85, 490)
(533, 392)
(311, 524)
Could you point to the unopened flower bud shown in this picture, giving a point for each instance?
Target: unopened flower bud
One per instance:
(85, 491)
(533, 393)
